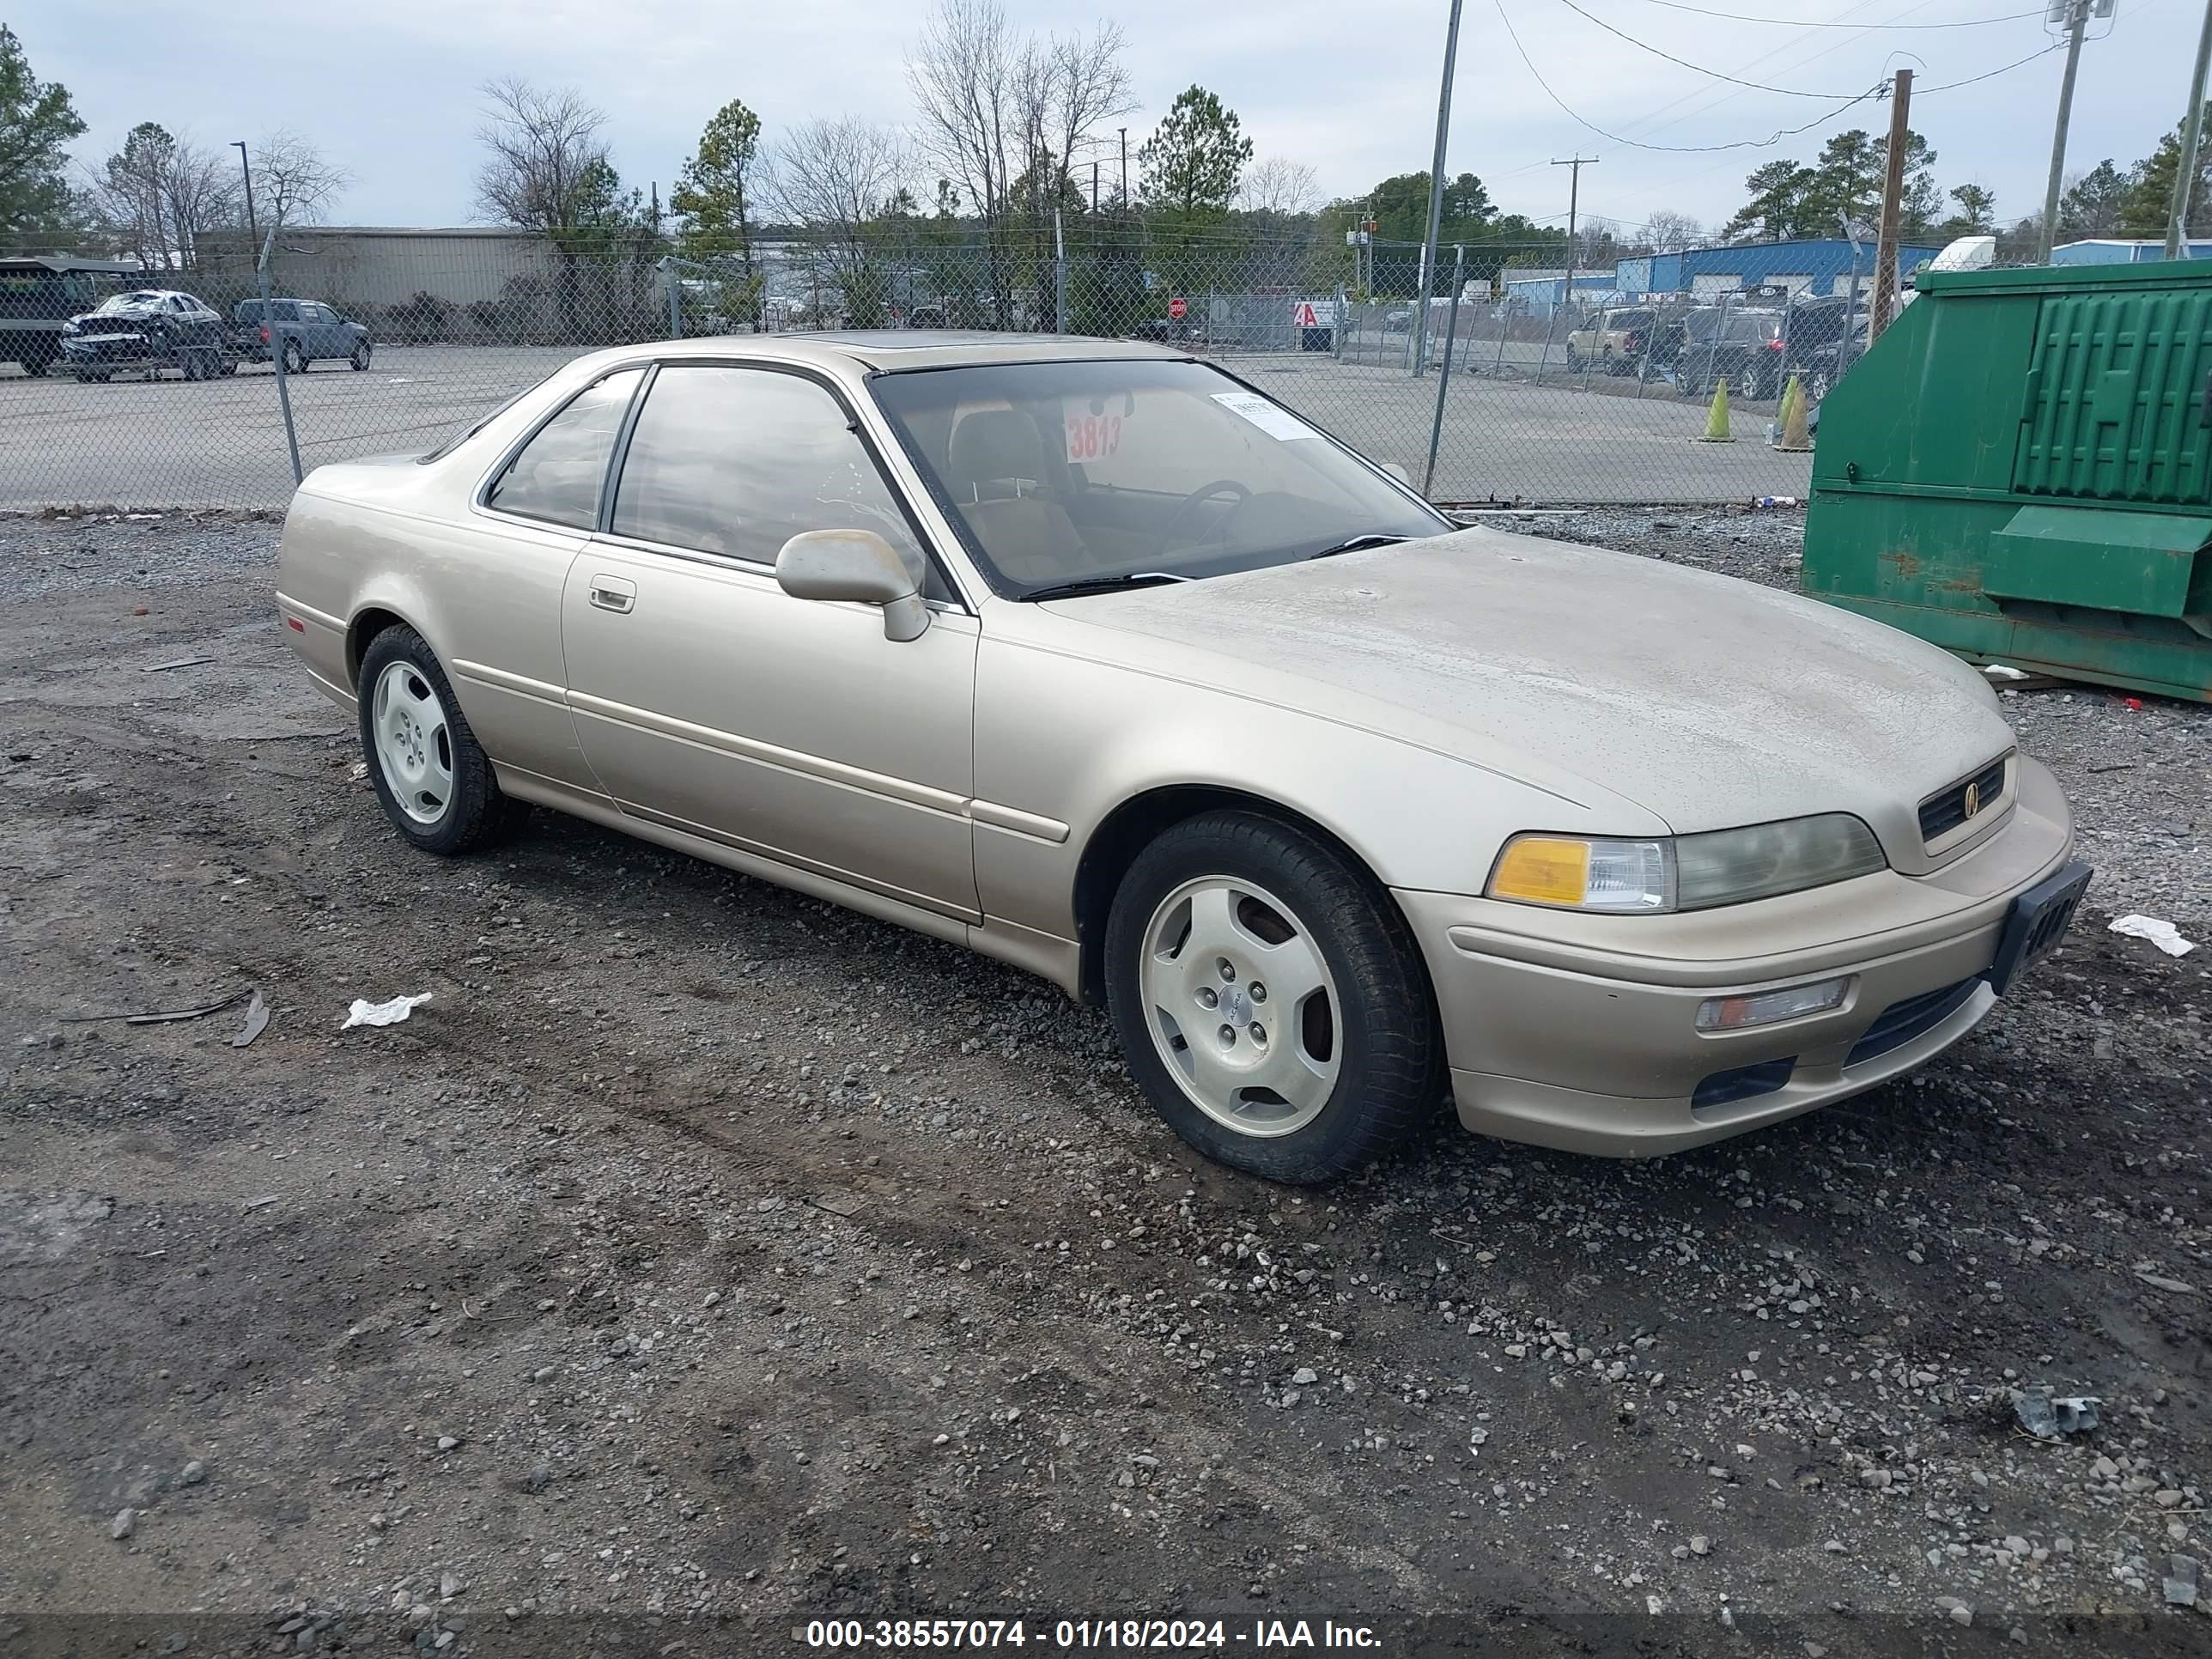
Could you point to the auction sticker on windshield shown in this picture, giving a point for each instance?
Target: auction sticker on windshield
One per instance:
(1089, 435)
(1271, 419)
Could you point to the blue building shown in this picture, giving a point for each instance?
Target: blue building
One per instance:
(2104, 252)
(1812, 265)
(1539, 293)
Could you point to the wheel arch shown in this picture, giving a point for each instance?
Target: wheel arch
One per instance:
(1134, 823)
(368, 623)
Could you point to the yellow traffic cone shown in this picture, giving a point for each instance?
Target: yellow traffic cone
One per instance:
(1717, 424)
(1795, 437)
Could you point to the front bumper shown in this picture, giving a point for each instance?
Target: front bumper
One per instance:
(1580, 1031)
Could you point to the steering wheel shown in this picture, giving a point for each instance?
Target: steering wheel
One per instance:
(1203, 493)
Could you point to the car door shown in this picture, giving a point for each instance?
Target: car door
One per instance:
(709, 700)
(330, 333)
(502, 568)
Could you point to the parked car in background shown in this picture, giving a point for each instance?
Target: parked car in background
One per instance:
(1613, 340)
(1826, 337)
(39, 295)
(313, 332)
(1756, 349)
(145, 331)
(1094, 659)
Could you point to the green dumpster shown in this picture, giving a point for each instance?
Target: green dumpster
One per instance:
(2020, 470)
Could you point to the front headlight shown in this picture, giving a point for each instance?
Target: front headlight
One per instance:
(1685, 872)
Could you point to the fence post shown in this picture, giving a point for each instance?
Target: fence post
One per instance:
(1337, 339)
(1443, 373)
(1058, 276)
(1544, 357)
(277, 353)
(675, 305)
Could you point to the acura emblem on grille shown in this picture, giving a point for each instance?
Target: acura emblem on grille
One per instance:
(1973, 802)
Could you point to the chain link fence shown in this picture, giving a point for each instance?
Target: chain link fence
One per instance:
(190, 387)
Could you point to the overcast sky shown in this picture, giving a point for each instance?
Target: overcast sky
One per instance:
(389, 90)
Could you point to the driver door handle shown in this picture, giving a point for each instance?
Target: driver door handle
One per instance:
(613, 593)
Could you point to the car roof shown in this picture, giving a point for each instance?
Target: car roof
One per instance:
(893, 349)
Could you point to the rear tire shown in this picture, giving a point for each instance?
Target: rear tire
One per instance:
(296, 360)
(433, 778)
(1349, 1031)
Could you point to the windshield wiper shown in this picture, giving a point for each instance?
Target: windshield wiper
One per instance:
(1353, 543)
(1070, 590)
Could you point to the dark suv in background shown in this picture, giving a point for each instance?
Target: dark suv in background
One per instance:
(1756, 348)
(313, 332)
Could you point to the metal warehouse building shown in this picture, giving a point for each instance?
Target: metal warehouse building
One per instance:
(1812, 265)
(2107, 251)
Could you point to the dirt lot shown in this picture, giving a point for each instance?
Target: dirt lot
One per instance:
(702, 1260)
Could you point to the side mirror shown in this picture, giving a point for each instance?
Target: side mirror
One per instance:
(1399, 473)
(854, 565)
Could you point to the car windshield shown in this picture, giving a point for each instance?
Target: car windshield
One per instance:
(1060, 472)
(129, 301)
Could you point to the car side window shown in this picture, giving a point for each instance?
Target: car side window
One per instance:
(737, 461)
(556, 475)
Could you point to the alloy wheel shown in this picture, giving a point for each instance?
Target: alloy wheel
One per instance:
(1240, 1006)
(413, 742)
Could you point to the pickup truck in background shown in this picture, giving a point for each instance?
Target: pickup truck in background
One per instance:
(1615, 340)
(313, 331)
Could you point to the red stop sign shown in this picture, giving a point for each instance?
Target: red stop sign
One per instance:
(1178, 309)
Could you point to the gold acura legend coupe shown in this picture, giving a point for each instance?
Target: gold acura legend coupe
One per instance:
(1094, 659)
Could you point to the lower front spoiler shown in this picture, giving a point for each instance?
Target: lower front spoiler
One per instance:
(1614, 1126)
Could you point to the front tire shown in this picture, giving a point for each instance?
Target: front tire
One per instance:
(434, 779)
(360, 358)
(1269, 999)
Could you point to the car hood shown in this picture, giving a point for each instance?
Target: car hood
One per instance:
(1709, 702)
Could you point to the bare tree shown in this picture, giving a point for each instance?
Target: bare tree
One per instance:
(963, 72)
(1280, 187)
(162, 193)
(839, 177)
(1670, 233)
(547, 161)
(1069, 87)
(293, 182)
(1005, 115)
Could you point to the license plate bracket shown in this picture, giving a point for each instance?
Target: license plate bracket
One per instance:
(2038, 922)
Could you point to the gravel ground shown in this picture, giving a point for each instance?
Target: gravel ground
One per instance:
(702, 1260)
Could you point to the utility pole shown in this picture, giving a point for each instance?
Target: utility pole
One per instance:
(2192, 135)
(1892, 192)
(1574, 202)
(1094, 186)
(1436, 196)
(254, 230)
(1124, 202)
(2076, 22)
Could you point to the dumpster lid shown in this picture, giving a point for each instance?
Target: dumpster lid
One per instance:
(2151, 533)
(2105, 558)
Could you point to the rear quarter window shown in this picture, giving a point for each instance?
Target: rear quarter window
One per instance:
(556, 475)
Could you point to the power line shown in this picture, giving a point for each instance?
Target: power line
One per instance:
(2041, 51)
(1767, 142)
(1702, 99)
(1645, 46)
(1797, 23)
